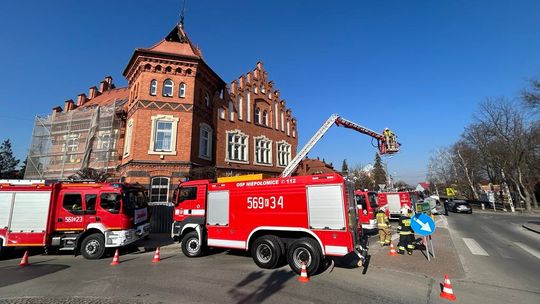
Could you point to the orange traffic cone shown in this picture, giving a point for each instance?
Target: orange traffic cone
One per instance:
(303, 274)
(24, 260)
(447, 291)
(116, 258)
(392, 249)
(157, 256)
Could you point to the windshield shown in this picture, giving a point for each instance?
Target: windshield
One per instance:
(134, 200)
(373, 200)
(361, 201)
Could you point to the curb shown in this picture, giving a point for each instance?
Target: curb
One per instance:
(528, 227)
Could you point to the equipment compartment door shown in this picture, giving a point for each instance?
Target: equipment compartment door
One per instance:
(326, 207)
(28, 221)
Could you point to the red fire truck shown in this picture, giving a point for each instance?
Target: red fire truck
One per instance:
(83, 217)
(396, 201)
(294, 219)
(367, 207)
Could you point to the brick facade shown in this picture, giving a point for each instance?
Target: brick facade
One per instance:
(161, 136)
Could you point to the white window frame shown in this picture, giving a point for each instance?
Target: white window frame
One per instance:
(248, 106)
(153, 87)
(276, 111)
(208, 129)
(231, 110)
(258, 143)
(246, 147)
(129, 134)
(161, 187)
(182, 90)
(165, 86)
(282, 120)
(71, 147)
(283, 149)
(163, 118)
(240, 106)
(288, 128)
(221, 113)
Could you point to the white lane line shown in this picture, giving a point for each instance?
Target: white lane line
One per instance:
(528, 249)
(474, 247)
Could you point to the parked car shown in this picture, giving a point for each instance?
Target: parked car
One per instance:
(459, 206)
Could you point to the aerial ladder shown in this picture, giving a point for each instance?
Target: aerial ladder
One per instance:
(386, 142)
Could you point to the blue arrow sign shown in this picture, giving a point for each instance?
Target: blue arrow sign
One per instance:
(422, 224)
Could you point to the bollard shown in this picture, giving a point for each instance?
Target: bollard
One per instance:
(483, 206)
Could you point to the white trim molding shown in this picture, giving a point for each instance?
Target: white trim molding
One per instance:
(167, 118)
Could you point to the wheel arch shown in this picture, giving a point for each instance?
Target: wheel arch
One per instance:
(86, 233)
(295, 232)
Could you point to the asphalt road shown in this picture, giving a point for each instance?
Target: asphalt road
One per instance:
(496, 250)
(232, 277)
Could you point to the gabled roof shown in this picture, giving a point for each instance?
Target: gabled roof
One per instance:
(108, 97)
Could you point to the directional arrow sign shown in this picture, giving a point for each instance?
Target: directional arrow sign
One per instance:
(422, 224)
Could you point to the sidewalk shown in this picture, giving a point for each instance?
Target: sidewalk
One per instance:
(534, 213)
(446, 260)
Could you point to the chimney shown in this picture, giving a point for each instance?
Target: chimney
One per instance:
(108, 79)
(93, 93)
(57, 109)
(69, 105)
(81, 99)
(103, 86)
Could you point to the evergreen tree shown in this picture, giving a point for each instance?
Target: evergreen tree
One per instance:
(8, 162)
(379, 174)
(344, 167)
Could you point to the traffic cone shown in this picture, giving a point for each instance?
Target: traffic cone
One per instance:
(303, 274)
(24, 260)
(116, 258)
(392, 249)
(157, 256)
(447, 291)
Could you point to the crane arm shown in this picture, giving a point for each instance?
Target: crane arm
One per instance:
(384, 145)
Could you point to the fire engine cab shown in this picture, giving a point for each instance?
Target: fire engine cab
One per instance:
(85, 217)
(294, 219)
(367, 207)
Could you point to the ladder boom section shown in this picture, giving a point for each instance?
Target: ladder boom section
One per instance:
(309, 145)
(351, 125)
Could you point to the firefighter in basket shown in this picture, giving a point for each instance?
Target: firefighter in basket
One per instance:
(406, 235)
(390, 139)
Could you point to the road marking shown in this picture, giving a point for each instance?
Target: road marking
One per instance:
(474, 247)
(528, 249)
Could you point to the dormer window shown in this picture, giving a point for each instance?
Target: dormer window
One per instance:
(153, 87)
(168, 87)
(182, 90)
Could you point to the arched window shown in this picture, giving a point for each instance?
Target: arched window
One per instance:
(265, 118)
(257, 118)
(153, 87)
(207, 99)
(182, 90)
(168, 86)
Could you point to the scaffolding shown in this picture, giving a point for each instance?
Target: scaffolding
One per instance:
(65, 142)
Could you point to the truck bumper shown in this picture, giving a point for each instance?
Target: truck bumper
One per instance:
(371, 226)
(117, 238)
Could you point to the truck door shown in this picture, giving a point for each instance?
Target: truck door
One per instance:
(191, 203)
(361, 202)
(70, 212)
(108, 210)
(90, 215)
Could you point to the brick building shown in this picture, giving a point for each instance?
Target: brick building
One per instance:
(176, 119)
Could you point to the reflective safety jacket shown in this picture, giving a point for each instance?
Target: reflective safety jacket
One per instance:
(382, 220)
(404, 227)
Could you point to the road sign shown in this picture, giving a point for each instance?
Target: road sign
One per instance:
(422, 224)
(450, 192)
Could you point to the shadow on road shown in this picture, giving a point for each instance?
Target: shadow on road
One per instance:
(273, 284)
(15, 274)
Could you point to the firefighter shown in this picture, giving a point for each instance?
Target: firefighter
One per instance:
(406, 235)
(390, 139)
(383, 225)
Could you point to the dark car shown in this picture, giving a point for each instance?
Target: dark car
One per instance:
(460, 207)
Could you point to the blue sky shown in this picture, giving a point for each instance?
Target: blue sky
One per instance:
(418, 67)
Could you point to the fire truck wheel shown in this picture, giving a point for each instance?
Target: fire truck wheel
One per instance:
(266, 251)
(304, 250)
(191, 247)
(93, 246)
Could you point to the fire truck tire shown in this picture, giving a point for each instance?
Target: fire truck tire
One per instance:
(93, 246)
(305, 250)
(267, 251)
(191, 247)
